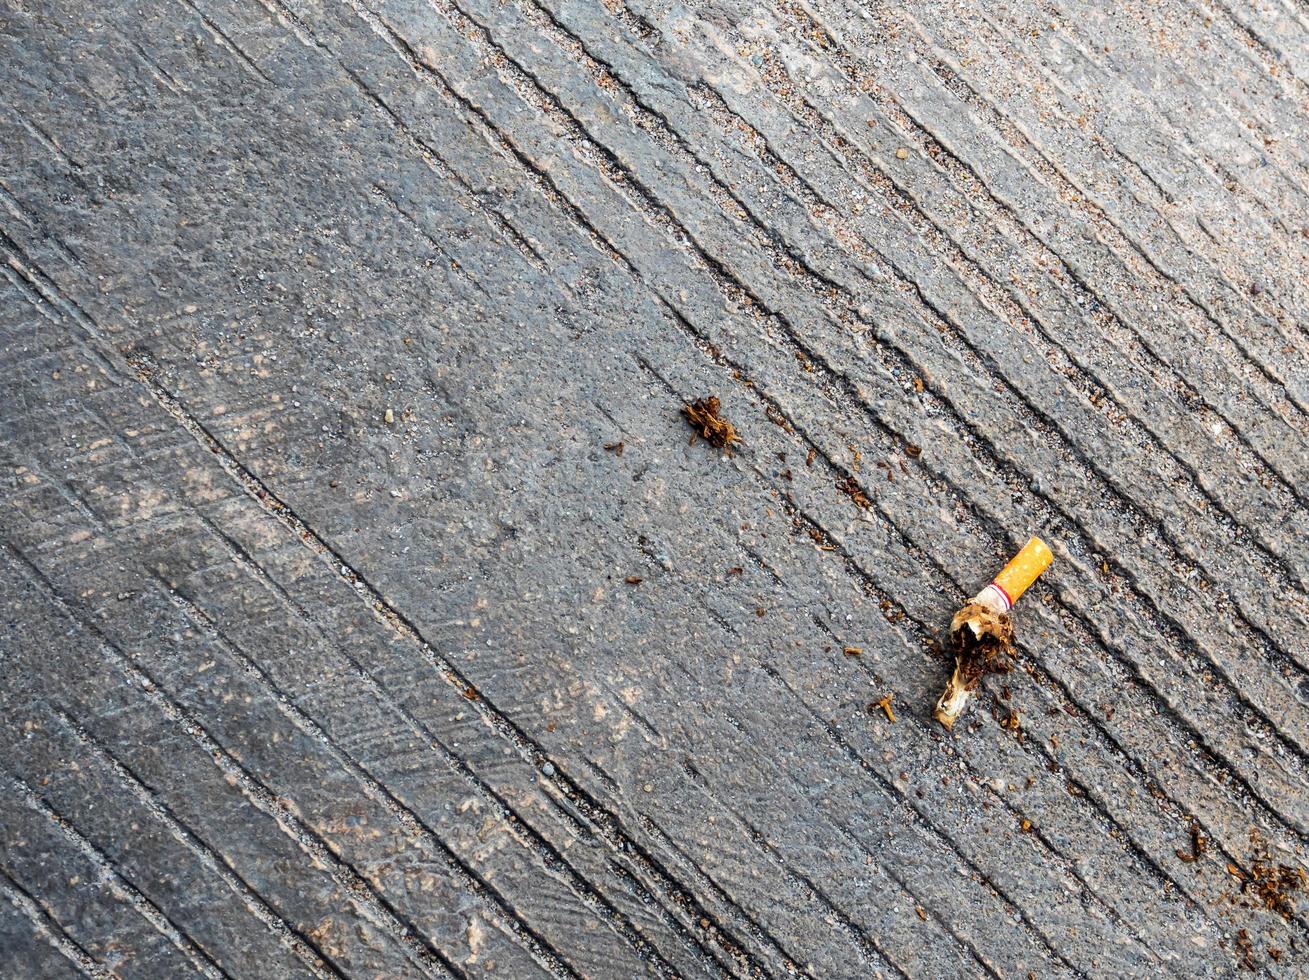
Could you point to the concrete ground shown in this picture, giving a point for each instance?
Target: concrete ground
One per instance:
(365, 610)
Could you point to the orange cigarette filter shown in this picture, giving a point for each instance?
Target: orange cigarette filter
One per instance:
(1023, 569)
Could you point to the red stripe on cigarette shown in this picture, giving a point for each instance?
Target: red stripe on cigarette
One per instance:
(1009, 603)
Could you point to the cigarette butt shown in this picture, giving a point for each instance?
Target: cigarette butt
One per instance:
(1023, 569)
(982, 632)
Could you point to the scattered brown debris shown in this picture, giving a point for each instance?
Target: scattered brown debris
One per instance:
(809, 457)
(1269, 885)
(1246, 946)
(614, 447)
(890, 611)
(634, 580)
(918, 384)
(850, 487)
(922, 913)
(853, 651)
(913, 449)
(1025, 825)
(736, 570)
(1275, 885)
(776, 417)
(703, 414)
(761, 612)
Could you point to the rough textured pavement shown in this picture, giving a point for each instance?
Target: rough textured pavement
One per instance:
(343, 346)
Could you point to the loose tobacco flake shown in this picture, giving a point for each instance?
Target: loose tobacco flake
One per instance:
(704, 415)
(850, 487)
(1275, 885)
(885, 705)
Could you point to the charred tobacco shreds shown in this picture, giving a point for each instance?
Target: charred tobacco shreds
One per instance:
(981, 641)
(1269, 884)
(703, 414)
(850, 487)
(1275, 886)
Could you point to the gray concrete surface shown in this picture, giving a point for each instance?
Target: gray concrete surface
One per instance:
(320, 654)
